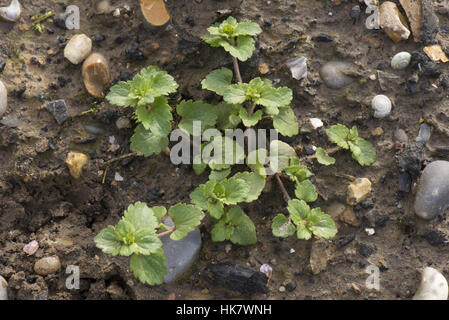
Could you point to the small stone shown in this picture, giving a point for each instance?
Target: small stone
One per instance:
(432, 197)
(315, 123)
(322, 37)
(78, 48)
(31, 248)
(281, 289)
(433, 286)
(393, 22)
(228, 248)
(298, 67)
(24, 27)
(76, 162)
(370, 231)
(58, 109)
(413, 11)
(3, 99)
(123, 123)
(405, 182)
(46, 266)
(401, 136)
(319, 256)
(180, 254)
(291, 286)
(336, 74)
(134, 53)
(358, 191)
(264, 68)
(377, 132)
(155, 12)
(95, 71)
(436, 53)
(424, 133)
(348, 216)
(366, 250)
(3, 289)
(267, 270)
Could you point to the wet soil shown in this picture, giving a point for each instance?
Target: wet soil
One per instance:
(39, 200)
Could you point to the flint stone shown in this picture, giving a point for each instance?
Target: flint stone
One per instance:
(432, 196)
(58, 109)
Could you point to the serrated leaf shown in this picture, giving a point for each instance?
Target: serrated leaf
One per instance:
(280, 154)
(185, 217)
(363, 152)
(228, 116)
(303, 233)
(243, 50)
(124, 232)
(247, 28)
(305, 190)
(235, 190)
(150, 269)
(338, 134)
(282, 227)
(235, 93)
(255, 182)
(215, 208)
(159, 82)
(200, 196)
(226, 152)
(146, 142)
(285, 96)
(218, 175)
(299, 211)
(218, 81)
(146, 242)
(107, 241)
(250, 121)
(156, 117)
(296, 171)
(323, 158)
(285, 122)
(244, 230)
(191, 111)
(119, 95)
(322, 224)
(159, 212)
(141, 217)
(221, 231)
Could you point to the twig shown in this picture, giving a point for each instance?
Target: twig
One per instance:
(165, 233)
(133, 154)
(237, 70)
(281, 185)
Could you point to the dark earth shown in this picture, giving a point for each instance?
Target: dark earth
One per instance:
(39, 200)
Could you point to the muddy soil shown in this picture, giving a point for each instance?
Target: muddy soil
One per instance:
(39, 200)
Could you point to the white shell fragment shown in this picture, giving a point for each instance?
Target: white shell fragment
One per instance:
(72, 22)
(12, 12)
(31, 248)
(370, 231)
(433, 286)
(298, 67)
(3, 99)
(381, 105)
(424, 133)
(401, 60)
(267, 270)
(3, 289)
(315, 123)
(78, 48)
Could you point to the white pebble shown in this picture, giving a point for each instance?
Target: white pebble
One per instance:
(373, 77)
(3, 99)
(31, 248)
(3, 289)
(292, 250)
(433, 286)
(370, 231)
(78, 48)
(316, 123)
(118, 177)
(266, 269)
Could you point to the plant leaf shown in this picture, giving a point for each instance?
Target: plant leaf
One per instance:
(363, 151)
(157, 118)
(299, 211)
(141, 217)
(200, 196)
(247, 29)
(244, 229)
(323, 158)
(255, 182)
(107, 241)
(235, 190)
(285, 122)
(185, 217)
(146, 242)
(305, 190)
(119, 95)
(218, 81)
(159, 212)
(282, 227)
(243, 50)
(228, 116)
(235, 93)
(150, 269)
(146, 142)
(124, 231)
(296, 171)
(322, 224)
(250, 121)
(215, 208)
(221, 231)
(338, 134)
(191, 111)
(303, 233)
(218, 175)
(280, 154)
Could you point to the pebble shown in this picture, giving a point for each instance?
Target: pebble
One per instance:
(432, 196)
(381, 105)
(348, 216)
(78, 48)
(123, 123)
(334, 74)
(31, 248)
(104, 7)
(76, 161)
(95, 72)
(319, 256)
(291, 286)
(46, 266)
(281, 289)
(391, 21)
(315, 123)
(401, 136)
(424, 133)
(370, 231)
(413, 11)
(436, 53)
(433, 286)
(3, 99)
(180, 254)
(154, 12)
(267, 270)
(298, 67)
(264, 68)
(358, 191)
(3, 289)
(58, 109)
(377, 132)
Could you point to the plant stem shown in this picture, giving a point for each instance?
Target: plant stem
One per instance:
(237, 70)
(281, 185)
(132, 154)
(165, 233)
(328, 152)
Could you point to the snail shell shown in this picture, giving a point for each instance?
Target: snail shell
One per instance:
(154, 12)
(381, 105)
(3, 98)
(401, 60)
(433, 286)
(334, 74)
(12, 12)
(95, 71)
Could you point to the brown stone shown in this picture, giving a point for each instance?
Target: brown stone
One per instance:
(348, 216)
(413, 9)
(393, 22)
(358, 191)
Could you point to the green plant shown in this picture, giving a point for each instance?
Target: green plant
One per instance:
(136, 236)
(245, 105)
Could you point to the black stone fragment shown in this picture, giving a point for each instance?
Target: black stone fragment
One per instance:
(410, 159)
(236, 277)
(58, 109)
(134, 53)
(291, 286)
(405, 182)
(2, 66)
(366, 250)
(346, 240)
(322, 37)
